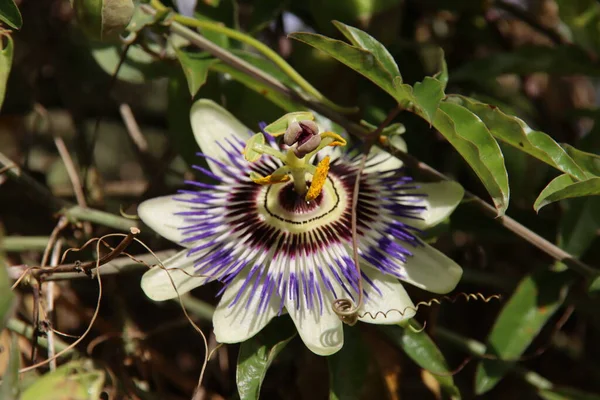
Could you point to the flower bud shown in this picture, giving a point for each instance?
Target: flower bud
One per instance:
(292, 133)
(103, 19)
(305, 134)
(309, 126)
(309, 145)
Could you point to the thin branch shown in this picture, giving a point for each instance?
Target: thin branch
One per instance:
(86, 267)
(54, 260)
(133, 128)
(37, 286)
(117, 266)
(530, 20)
(73, 177)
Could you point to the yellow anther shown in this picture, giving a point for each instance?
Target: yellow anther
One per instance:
(269, 179)
(337, 139)
(318, 179)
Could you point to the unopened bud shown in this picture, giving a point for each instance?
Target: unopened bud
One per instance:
(305, 134)
(309, 126)
(309, 145)
(292, 134)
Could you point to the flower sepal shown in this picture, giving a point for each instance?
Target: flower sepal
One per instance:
(279, 127)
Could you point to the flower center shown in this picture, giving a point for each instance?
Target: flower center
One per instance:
(280, 206)
(291, 202)
(303, 141)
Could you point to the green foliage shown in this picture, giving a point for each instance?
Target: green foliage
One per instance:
(103, 19)
(473, 141)
(533, 303)
(348, 368)
(258, 353)
(7, 300)
(424, 352)
(10, 14)
(515, 132)
(195, 67)
(6, 58)
(565, 187)
(137, 67)
(78, 380)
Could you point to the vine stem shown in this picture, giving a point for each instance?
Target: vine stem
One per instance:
(363, 162)
(261, 47)
(361, 132)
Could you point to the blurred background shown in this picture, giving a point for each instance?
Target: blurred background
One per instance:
(82, 135)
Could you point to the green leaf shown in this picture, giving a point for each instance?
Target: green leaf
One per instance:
(195, 67)
(278, 127)
(7, 299)
(218, 15)
(77, 380)
(589, 162)
(579, 225)
(367, 42)
(442, 75)
(594, 286)
(9, 389)
(535, 300)
(249, 153)
(138, 67)
(372, 60)
(566, 393)
(428, 95)
(565, 187)
(423, 351)
(348, 367)
(360, 60)
(515, 132)
(141, 19)
(582, 18)
(471, 139)
(257, 354)
(10, 14)
(6, 58)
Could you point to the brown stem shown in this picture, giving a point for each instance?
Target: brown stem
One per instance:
(40, 272)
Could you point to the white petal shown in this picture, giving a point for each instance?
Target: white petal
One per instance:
(159, 283)
(381, 160)
(212, 123)
(242, 321)
(431, 270)
(391, 306)
(440, 201)
(159, 214)
(322, 333)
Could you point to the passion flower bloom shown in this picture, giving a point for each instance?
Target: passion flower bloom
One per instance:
(277, 231)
